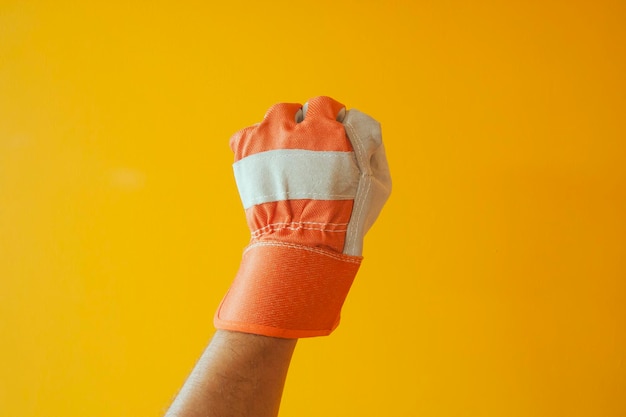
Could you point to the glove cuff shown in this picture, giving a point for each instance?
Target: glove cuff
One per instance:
(288, 291)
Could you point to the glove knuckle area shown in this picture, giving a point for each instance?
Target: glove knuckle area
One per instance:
(317, 131)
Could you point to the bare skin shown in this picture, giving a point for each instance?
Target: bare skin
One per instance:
(238, 375)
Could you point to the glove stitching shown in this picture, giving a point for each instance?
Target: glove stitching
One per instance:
(302, 194)
(339, 257)
(297, 223)
(320, 153)
(298, 228)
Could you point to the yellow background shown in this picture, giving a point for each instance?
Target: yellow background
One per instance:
(494, 281)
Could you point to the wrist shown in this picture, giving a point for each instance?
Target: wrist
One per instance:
(287, 290)
(241, 344)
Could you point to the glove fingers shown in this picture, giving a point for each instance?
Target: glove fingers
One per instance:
(270, 134)
(240, 139)
(283, 113)
(323, 108)
(290, 126)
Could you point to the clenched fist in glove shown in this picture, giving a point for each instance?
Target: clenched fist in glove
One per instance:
(312, 180)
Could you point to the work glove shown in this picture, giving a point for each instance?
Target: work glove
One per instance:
(312, 180)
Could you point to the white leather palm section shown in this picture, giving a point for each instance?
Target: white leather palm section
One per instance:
(293, 174)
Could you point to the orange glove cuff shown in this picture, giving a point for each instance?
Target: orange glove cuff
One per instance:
(287, 290)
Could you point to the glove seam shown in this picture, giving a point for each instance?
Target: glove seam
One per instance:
(363, 187)
(262, 198)
(273, 227)
(337, 256)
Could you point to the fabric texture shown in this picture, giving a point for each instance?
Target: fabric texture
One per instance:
(311, 187)
(292, 174)
(374, 182)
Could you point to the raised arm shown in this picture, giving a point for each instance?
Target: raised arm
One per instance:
(312, 180)
(238, 375)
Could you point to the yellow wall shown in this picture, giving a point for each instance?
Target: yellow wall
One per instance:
(494, 282)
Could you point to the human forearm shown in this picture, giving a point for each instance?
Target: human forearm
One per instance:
(239, 374)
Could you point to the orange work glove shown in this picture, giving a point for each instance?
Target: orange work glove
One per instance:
(312, 180)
